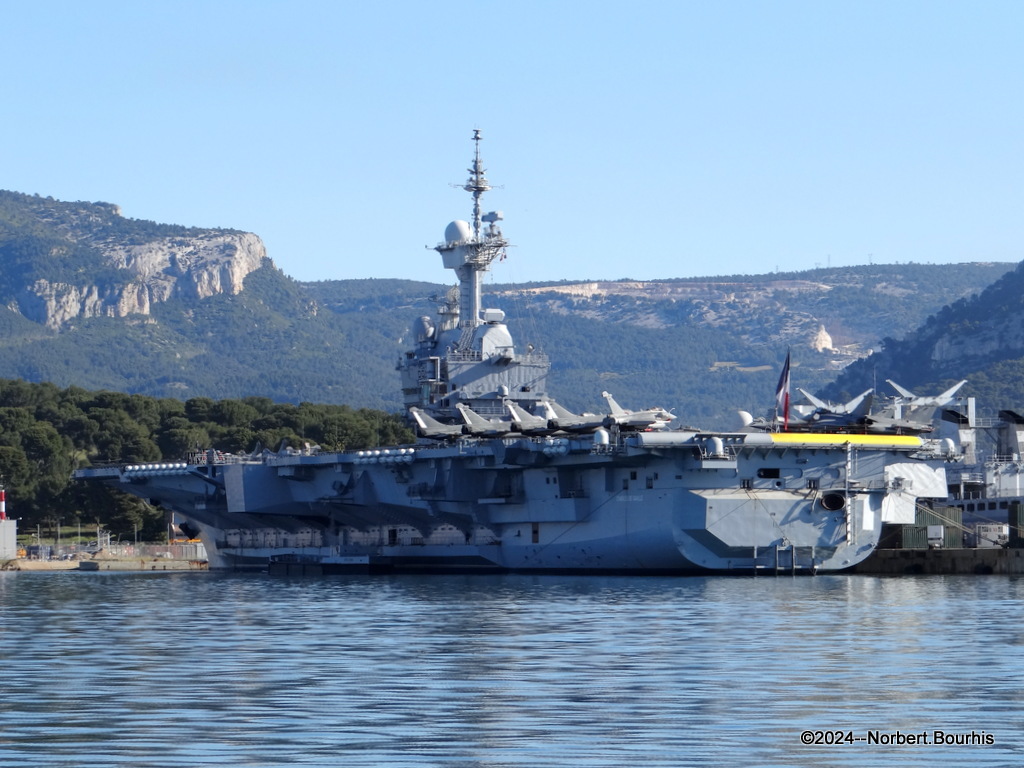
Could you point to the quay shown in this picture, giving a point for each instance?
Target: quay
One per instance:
(908, 562)
(106, 564)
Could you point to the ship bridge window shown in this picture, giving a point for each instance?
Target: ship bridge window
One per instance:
(765, 472)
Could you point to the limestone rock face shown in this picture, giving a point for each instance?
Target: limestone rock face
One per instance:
(200, 265)
(998, 339)
(822, 341)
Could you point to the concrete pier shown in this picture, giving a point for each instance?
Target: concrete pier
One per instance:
(899, 562)
(143, 564)
(106, 564)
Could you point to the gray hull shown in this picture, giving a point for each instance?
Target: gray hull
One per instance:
(659, 502)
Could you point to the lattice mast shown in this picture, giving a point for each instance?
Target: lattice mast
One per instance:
(469, 249)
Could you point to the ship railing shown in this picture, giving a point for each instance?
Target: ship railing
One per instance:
(105, 465)
(608, 449)
(192, 459)
(1004, 458)
(463, 357)
(969, 496)
(472, 356)
(857, 484)
(492, 408)
(199, 458)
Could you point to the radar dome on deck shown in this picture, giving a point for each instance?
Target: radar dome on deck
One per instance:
(458, 231)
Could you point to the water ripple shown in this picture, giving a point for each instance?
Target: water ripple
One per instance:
(155, 670)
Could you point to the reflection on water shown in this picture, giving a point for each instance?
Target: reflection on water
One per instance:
(492, 671)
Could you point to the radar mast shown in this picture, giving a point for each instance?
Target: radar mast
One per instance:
(470, 249)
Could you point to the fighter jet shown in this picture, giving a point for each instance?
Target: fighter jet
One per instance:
(890, 425)
(652, 418)
(817, 415)
(909, 400)
(821, 409)
(434, 429)
(909, 412)
(481, 427)
(560, 417)
(526, 422)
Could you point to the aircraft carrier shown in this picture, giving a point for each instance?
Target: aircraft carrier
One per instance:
(505, 478)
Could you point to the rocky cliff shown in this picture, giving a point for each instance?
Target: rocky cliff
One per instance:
(100, 264)
(199, 266)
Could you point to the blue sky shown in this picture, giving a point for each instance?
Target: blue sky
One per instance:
(645, 140)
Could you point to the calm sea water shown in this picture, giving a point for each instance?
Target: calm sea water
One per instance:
(121, 669)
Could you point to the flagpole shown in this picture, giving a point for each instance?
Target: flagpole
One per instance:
(782, 396)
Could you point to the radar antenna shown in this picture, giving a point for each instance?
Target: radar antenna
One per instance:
(469, 249)
(477, 183)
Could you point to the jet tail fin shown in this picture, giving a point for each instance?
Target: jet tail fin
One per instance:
(472, 418)
(815, 401)
(946, 396)
(517, 413)
(861, 404)
(429, 425)
(614, 408)
(556, 411)
(904, 392)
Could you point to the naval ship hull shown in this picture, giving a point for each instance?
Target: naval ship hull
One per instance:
(668, 502)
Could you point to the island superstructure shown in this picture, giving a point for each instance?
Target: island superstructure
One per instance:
(506, 478)
(465, 354)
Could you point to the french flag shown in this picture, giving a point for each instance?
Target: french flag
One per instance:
(782, 395)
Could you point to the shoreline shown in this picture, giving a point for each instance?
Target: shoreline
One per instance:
(156, 564)
(882, 562)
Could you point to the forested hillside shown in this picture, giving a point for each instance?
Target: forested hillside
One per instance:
(46, 432)
(980, 339)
